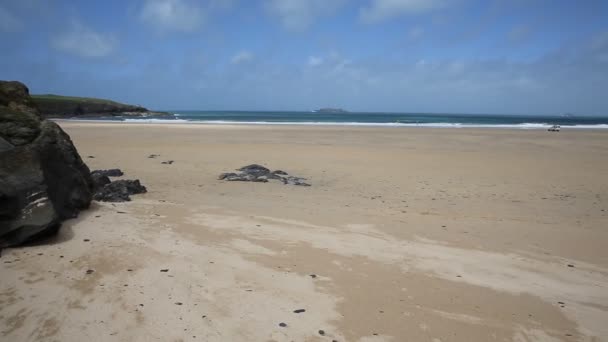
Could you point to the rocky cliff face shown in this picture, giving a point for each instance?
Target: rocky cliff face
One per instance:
(54, 106)
(43, 180)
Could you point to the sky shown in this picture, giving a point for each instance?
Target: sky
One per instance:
(421, 56)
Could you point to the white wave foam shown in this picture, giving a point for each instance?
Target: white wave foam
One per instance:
(400, 124)
(361, 124)
(168, 121)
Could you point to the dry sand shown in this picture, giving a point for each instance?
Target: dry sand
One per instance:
(411, 234)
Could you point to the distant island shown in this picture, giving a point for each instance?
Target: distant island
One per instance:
(57, 106)
(330, 110)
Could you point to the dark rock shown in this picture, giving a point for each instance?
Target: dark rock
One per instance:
(227, 175)
(295, 181)
(108, 173)
(282, 325)
(119, 191)
(169, 162)
(43, 180)
(16, 96)
(299, 311)
(90, 271)
(153, 155)
(254, 168)
(321, 332)
(99, 181)
(17, 128)
(259, 173)
(5, 145)
(165, 270)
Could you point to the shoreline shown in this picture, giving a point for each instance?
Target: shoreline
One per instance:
(518, 127)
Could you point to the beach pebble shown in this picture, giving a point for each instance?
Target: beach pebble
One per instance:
(321, 332)
(299, 311)
(165, 270)
(283, 325)
(90, 271)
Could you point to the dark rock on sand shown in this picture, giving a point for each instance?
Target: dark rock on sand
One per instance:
(259, 173)
(108, 173)
(43, 180)
(119, 191)
(99, 181)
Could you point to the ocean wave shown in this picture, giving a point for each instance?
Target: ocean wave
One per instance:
(528, 125)
(399, 124)
(169, 121)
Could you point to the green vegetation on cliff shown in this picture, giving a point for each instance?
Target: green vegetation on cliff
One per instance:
(71, 106)
(52, 97)
(62, 106)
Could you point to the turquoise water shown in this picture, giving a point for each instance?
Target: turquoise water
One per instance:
(389, 119)
(374, 119)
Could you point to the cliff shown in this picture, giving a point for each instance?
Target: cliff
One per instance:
(55, 106)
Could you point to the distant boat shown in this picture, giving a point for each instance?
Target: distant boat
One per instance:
(330, 110)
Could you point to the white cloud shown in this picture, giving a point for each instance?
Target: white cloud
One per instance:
(315, 61)
(380, 10)
(172, 15)
(297, 15)
(8, 21)
(82, 41)
(241, 57)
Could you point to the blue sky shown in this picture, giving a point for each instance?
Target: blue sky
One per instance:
(464, 56)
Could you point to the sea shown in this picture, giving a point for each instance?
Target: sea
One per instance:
(380, 119)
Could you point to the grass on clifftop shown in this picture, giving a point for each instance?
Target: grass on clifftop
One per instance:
(51, 97)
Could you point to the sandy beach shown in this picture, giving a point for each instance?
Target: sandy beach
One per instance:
(406, 234)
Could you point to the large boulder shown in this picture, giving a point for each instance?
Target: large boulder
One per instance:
(16, 96)
(43, 180)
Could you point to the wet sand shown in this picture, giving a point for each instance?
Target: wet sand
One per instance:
(406, 234)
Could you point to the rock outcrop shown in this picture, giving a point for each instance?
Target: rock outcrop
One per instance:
(55, 106)
(119, 190)
(106, 190)
(259, 173)
(43, 180)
